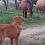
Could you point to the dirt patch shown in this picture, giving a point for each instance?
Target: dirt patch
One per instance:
(33, 34)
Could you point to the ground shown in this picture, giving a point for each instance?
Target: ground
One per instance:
(35, 34)
(31, 30)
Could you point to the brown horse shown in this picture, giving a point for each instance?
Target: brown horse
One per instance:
(26, 6)
(11, 30)
(40, 5)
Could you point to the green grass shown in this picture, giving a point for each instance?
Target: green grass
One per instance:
(6, 17)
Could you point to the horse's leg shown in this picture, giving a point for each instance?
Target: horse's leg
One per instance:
(23, 13)
(16, 41)
(26, 13)
(11, 41)
(29, 12)
(30, 16)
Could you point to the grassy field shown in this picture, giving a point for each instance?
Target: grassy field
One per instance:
(6, 17)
